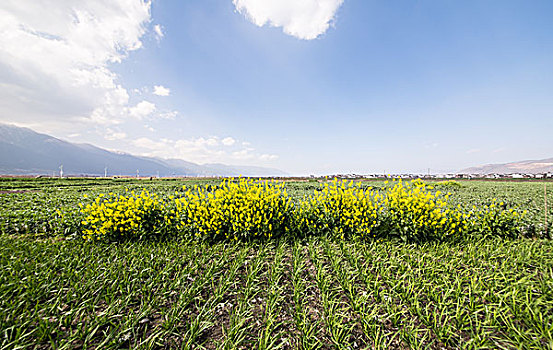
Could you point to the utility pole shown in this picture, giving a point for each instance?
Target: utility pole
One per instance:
(106, 171)
(61, 171)
(137, 174)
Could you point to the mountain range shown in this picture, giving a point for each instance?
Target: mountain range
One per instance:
(522, 167)
(26, 152)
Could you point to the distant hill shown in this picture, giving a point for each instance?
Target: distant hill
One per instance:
(522, 167)
(24, 151)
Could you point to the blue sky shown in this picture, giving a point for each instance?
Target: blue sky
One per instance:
(359, 86)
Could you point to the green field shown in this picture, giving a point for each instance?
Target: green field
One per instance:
(58, 291)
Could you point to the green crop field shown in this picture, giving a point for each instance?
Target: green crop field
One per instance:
(58, 290)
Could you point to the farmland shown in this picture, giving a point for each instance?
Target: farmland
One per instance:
(58, 290)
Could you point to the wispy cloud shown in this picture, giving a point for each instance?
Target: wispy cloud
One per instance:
(113, 135)
(268, 157)
(168, 115)
(159, 32)
(201, 150)
(243, 154)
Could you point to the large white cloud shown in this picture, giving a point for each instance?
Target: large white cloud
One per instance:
(55, 58)
(304, 19)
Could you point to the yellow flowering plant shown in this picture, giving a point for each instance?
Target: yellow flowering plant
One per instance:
(236, 209)
(415, 213)
(340, 208)
(129, 216)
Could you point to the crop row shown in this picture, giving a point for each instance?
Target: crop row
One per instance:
(30, 206)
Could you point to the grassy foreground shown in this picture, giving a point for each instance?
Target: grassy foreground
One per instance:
(57, 291)
(318, 293)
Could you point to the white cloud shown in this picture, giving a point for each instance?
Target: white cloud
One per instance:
(142, 110)
(161, 90)
(55, 59)
(158, 32)
(228, 141)
(148, 110)
(200, 150)
(305, 19)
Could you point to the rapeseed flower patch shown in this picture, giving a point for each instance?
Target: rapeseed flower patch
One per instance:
(242, 209)
(414, 212)
(131, 215)
(340, 208)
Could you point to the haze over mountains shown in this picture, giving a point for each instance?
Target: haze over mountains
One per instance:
(522, 167)
(24, 151)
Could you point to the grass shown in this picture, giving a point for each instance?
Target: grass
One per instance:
(319, 293)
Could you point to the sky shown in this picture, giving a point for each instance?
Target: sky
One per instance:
(308, 87)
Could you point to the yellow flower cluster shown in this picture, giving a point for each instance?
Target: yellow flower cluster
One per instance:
(415, 212)
(340, 208)
(246, 209)
(235, 209)
(114, 216)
